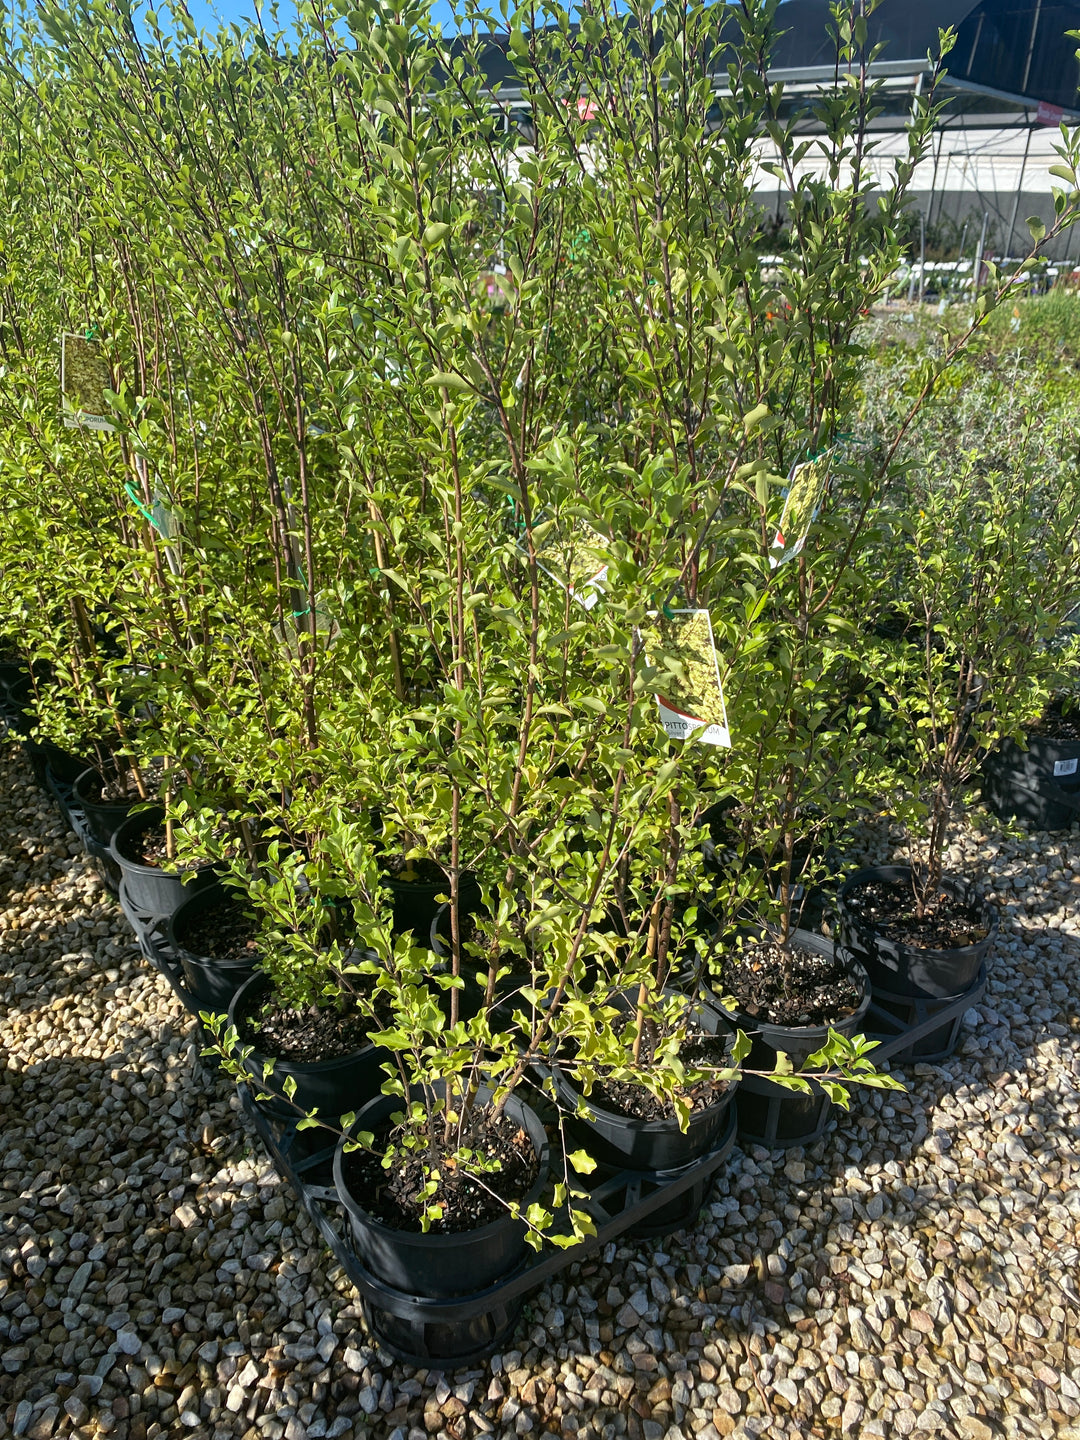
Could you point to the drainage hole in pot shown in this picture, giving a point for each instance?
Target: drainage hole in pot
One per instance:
(392, 1195)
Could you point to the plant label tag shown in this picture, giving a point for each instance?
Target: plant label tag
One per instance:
(84, 378)
(680, 645)
(164, 519)
(806, 489)
(293, 635)
(1065, 767)
(573, 557)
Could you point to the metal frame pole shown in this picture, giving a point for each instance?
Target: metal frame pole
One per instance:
(1019, 187)
(977, 273)
(922, 256)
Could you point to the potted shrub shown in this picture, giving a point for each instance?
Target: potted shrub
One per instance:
(366, 458)
(301, 1026)
(156, 879)
(990, 575)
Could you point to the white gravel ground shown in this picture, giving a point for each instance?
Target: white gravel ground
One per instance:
(915, 1272)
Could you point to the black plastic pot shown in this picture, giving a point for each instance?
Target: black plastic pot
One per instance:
(16, 706)
(799, 1041)
(770, 1114)
(14, 687)
(1046, 805)
(48, 759)
(434, 1265)
(1040, 784)
(333, 1087)
(899, 969)
(103, 817)
(627, 1143)
(16, 700)
(151, 890)
(212, 983)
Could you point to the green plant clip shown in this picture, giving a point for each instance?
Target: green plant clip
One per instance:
(133, 496)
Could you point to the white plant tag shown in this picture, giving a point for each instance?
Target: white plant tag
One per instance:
(806, 488)
(84, 378)
(327, 629)
(573, 558)
(694, 697)
(1065, 767)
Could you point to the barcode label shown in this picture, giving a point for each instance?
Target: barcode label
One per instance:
(1065, 767)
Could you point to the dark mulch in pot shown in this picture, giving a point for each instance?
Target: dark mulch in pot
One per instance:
(151, 849)
(223, 931)
(422, 872)
(792, 987)
(890, 906)
(119, 786)
(699, 1050)
(1054, 725)
(390, 1195)
(306, 1037)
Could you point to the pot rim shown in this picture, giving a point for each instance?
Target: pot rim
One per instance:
(207, 894)
(300, 1067)
(852, 964)
(955, 883)
(131, 826)
(663, 1125)
(77, 792)
(433, 1240)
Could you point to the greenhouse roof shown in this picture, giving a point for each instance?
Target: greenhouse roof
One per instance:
(1011, 64)
(1012, 51)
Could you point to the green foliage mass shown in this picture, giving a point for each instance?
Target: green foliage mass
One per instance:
(380, 341)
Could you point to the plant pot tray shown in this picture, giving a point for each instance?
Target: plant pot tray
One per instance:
(104, 864)
(624, 1201)
(150, 933)
(907, 1031)
(910, 1030)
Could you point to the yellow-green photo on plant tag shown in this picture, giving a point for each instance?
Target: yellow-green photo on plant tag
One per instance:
(84, 378)
(807, 484)
(680, 645)
(573, 556)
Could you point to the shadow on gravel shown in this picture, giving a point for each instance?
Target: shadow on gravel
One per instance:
(960, 1196)
(98, 1159)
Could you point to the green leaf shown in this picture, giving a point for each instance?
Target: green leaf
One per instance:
(582, 1162)
(753, 419)
(448, 380)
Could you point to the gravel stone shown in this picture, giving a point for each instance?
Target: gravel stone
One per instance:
(913, 1272)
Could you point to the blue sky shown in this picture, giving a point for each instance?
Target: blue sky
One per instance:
(207, 13)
